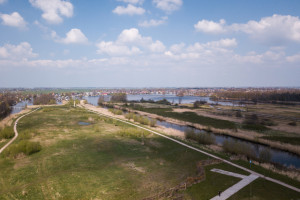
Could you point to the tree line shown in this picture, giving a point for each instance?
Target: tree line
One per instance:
(262, 96)
(6, 101)
(44, 99)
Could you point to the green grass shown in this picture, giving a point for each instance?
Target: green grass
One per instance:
(255, 127)
(104, 160)
(190, 117)
(263, 189)
(289, 140)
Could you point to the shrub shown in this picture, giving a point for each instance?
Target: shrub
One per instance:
(118, 97)
(144, 120)
(197, 104)
(136, 118)
(7, 133)
(268, 122)
(116, 111)
(235, 147)
(152, 122)
(238, 114)
(255, 127)
(129, 116)
(25, 147)
(293, 123)
(265, 155)
(201, 138)
(133, 132)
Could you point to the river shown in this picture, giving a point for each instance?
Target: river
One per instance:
(278, 156)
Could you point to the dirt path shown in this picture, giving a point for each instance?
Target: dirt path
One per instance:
(15, 130)
(92, 109)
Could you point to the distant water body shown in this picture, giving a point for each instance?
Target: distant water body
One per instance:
(157, 97)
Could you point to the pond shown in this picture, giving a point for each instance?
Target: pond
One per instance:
(84, 123)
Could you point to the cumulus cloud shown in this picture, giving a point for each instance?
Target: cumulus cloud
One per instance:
(210, 26)
(153, 22)
(114, 49)
(132, 1)
(74, 36)
(129, 10)
(275, 30)
(14, 20)
(54, 10)
(294, 58)
(130, 42)
(16, 52)
(168, 5)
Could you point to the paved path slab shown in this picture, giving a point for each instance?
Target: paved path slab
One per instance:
(220, 171)
(235, 188)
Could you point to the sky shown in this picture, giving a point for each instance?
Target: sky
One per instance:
(149, 43)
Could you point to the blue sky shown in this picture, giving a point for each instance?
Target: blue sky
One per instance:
(149, 43)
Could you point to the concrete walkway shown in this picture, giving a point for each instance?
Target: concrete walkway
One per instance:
(235, 188)
(94, 110)
(15, 130)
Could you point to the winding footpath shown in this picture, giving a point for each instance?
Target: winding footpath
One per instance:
(94, 110)
(15, 130)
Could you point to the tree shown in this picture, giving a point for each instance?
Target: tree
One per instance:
(101, 100)
(118, 97)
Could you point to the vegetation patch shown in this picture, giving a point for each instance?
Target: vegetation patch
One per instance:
(7, 133)
(189, 117)
(201, 138)
(25, 147)
(284, 139)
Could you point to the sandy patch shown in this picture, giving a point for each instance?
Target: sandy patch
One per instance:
(131, 165)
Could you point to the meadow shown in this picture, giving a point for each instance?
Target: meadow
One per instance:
(103, 159)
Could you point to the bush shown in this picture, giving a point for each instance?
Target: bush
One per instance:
(239, 148)
(201, 138)
(268, 122)
(265, 155)
(133, 132)
(7, 133)
(25, 147)
(255, 127)
(118, 97)
(152, 122)
(238, 114)
(197, 104)
(44, 99)
(116, 111)
(293, 123)
(129, 116)
(144, 120)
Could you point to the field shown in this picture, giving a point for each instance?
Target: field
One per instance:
(106, 159)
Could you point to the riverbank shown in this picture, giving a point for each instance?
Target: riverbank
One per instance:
(246, 135)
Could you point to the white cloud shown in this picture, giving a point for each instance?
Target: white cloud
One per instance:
(114, 49)
(294, 58)
(210, 26)
(130, 42)
(74, 36)
(14, 20)
(2, 1)
(16, 52)
(153, 22)
(132, 1)
(54, 10)
(129, 10)
(225, 43)
(275, 30)
(168, 5)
